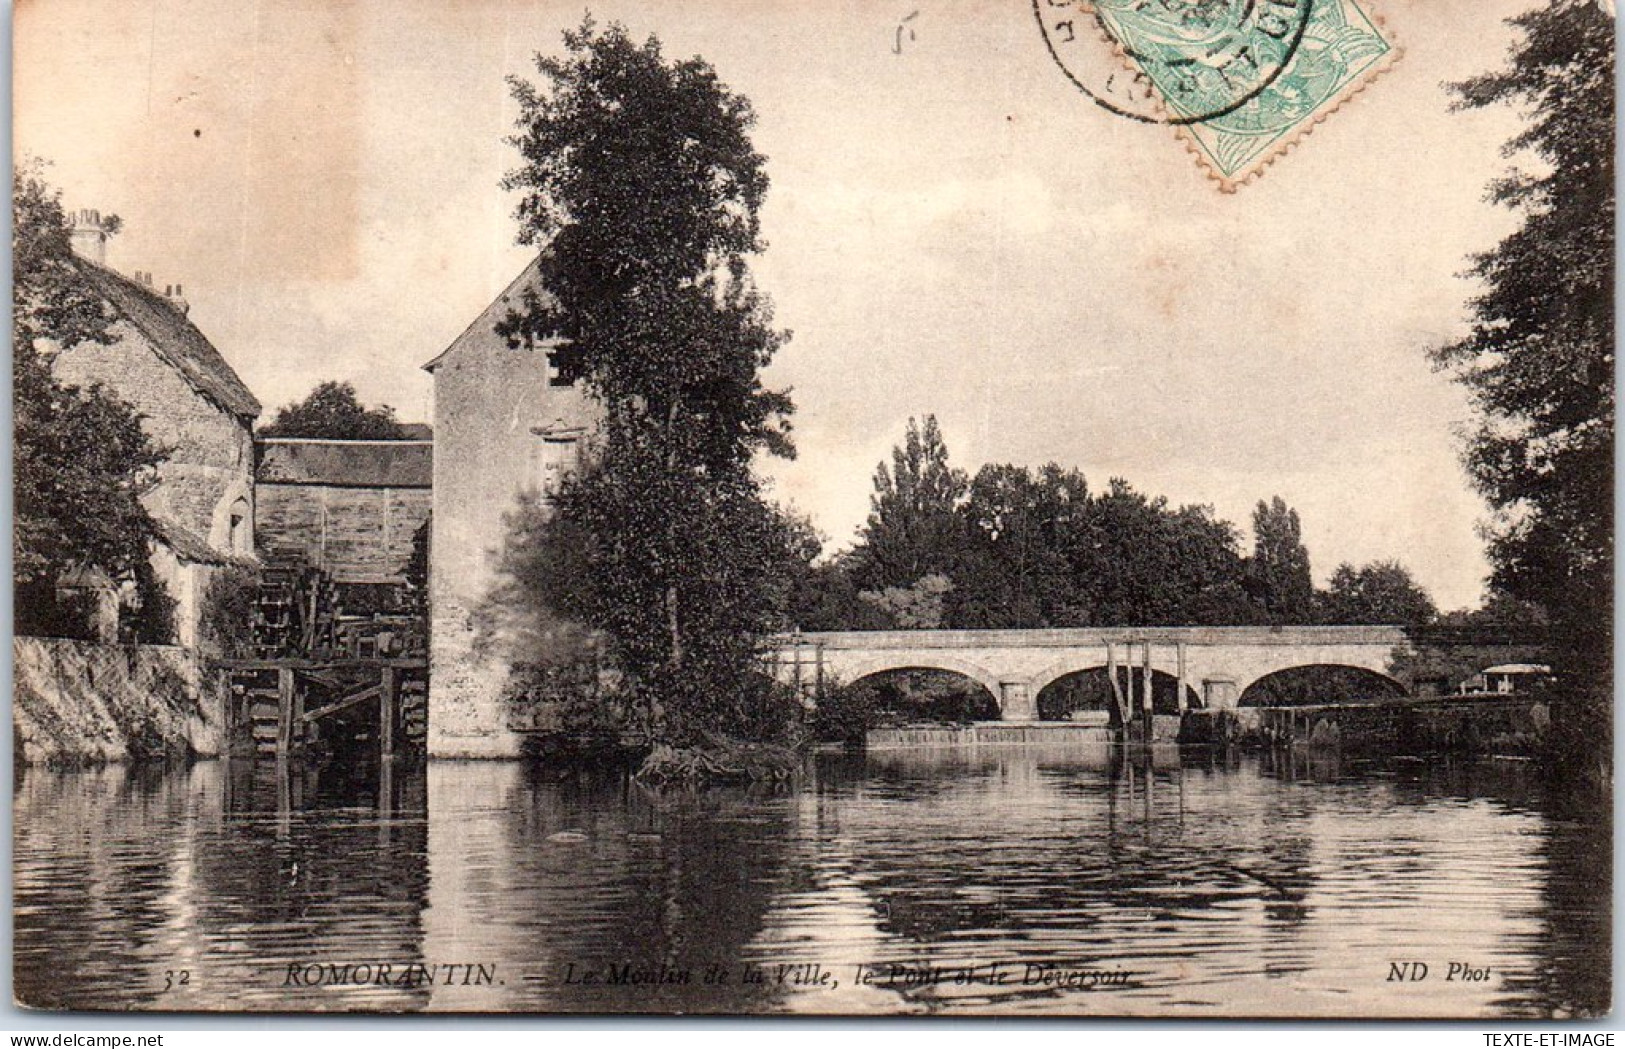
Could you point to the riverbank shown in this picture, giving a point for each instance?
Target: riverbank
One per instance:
(1511, 725)
(83, 702)
(1477, 726)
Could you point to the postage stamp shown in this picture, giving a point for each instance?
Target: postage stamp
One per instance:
(1241, 80)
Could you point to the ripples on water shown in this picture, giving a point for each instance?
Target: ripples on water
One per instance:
(999, 879)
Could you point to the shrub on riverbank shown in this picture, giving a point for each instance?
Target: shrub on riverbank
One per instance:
(845, 714)
(719, 760)
(1579, 746)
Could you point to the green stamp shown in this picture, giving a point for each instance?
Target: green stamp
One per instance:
(1242, 80)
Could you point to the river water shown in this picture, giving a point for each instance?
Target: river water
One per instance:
(991, 880)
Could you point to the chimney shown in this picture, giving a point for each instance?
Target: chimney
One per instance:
(89, 236)
(176, 298)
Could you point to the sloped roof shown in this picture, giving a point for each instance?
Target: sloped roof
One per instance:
(188, 546)
(174, 338)
(529, 277)
(344, 464)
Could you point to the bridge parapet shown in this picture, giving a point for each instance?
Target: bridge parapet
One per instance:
(1074, 637)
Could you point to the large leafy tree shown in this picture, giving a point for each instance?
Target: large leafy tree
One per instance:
(640, 188)
(1383, 592)
(1279, 571)
(1142, 562)
(1540, 359)
(81, 460)
(1013, 570)
(333, 410)
(914, 527)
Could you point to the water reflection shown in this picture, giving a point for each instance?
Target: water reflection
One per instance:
(598, 894)
(991, 879)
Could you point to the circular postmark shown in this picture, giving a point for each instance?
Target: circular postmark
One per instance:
(1173, 61)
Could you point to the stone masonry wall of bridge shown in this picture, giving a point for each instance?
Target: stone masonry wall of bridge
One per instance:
(1015, 665)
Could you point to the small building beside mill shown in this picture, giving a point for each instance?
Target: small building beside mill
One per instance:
(193, 405)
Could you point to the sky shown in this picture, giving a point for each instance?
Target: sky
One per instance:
(953, 228)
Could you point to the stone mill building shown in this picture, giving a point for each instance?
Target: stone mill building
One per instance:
(506, 423)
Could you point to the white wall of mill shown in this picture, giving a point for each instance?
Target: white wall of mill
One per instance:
(490, 401)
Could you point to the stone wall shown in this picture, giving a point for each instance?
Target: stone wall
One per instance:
(79, 701)
(985, 733)
(211, 452)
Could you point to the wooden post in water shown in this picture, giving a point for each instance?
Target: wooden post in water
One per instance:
(1118, 706)
(388, 712)
(1146, 708)
(1128, 682)
(386, 801)
(298, 731)
(284, 799)
(1184, 689)
(1130, 703)
(1133, 711)
(285, 692)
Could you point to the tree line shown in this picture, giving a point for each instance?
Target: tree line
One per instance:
(1011, 547)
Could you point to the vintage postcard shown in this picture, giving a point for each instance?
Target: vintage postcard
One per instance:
(960, 508)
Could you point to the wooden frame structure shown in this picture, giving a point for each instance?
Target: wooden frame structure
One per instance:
(281, 704)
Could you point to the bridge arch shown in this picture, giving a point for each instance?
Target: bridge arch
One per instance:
(1339, 682)
(1096, 678)
(1056, 671)
(851, 675)
(922, 694)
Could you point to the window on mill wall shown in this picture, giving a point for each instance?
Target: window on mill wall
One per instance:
(557, 375)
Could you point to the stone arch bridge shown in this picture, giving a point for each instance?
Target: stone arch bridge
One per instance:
(1216, 663)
